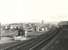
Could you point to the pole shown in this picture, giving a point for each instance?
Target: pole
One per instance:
(0, 31)
(26, 34)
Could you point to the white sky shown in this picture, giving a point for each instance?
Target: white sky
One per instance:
(33, 10)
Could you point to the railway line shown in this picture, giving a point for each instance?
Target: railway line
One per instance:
(44, 42)
(34, 43)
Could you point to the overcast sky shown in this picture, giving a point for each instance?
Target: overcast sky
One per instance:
(33, 10)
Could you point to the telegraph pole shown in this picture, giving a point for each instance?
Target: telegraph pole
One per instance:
(0, 31)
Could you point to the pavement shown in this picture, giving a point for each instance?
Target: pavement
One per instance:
(35, 33)
(4, 40)
(21, 38)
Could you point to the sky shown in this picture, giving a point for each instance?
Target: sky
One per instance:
(12, 11)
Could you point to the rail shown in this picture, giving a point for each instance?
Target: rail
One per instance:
(26, 45)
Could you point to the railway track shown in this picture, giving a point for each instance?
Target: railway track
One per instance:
(35, 43)
(43, 43)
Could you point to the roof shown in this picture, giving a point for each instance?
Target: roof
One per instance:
(63, 23)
